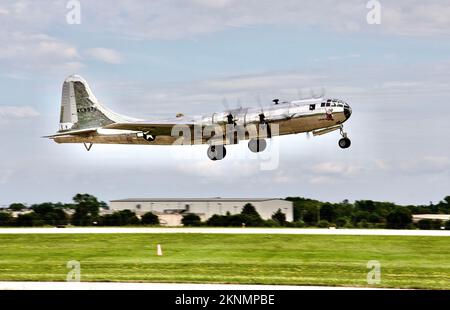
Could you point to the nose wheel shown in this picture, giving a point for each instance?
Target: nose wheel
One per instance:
(216, 152)
(345, 142)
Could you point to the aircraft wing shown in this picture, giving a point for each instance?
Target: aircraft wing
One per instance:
(160, 127)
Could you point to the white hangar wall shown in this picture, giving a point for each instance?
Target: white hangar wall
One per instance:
(204, 207)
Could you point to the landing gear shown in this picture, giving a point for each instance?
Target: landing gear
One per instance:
(257, 145)
(345, 142)
(217, 152)
(88, 146)
(147, 136)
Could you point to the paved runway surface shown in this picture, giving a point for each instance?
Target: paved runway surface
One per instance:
(156, 286)
(285, 231)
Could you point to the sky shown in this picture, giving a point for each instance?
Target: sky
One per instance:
(153, 59)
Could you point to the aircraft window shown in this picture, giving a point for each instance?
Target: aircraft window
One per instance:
(322, 104)
(333, 104)
(340, 105)
(328, 104)
(312, 107)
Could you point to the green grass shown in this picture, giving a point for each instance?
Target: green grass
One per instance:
(406, 262)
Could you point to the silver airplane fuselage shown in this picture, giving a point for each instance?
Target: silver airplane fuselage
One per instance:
(83, 119)
(294, 117)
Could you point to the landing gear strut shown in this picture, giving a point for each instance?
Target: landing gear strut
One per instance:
(88, 146)
(257, 145)
(345, 142)
(217, 152)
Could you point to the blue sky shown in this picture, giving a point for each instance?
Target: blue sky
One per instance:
(158, 58)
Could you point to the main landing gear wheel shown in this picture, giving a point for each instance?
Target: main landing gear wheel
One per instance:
(217, 152)
(257, 145)
(345, 143)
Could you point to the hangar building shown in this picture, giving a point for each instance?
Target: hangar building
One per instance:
(171, 210)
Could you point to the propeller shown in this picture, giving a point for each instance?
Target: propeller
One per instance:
(225, 105)
(319, 94)
(261, 108)
(300, 94)
(231, 113)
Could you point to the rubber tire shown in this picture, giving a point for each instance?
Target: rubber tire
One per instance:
(344, 143)
(216, 152)
(257, 145)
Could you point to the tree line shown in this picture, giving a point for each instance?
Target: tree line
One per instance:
(367, 214)
(85, 211)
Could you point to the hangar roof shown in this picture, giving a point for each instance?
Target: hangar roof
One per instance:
(215, 199)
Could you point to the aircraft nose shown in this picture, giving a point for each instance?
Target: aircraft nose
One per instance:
(347, 111)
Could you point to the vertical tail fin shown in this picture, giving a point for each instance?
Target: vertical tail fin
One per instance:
(80, 109)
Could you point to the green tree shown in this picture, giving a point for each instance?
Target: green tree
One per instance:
(249, 216)
(425, 224)
(28, 219)
(305, 209)
(249, 209)
(323, 224)
(328, 212)
(447, 225)
(150, 218)
(86, 209)
(191, 220)
(279, 217)
(50, 214)
(17, 207)
(399, 218)
(5, 219)
(119, 218)
(219, 220)
(342, 221)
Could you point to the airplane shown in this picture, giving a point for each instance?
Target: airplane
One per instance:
(83, 119)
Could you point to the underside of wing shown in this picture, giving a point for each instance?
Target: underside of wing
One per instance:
(157, 128)
(72, 133)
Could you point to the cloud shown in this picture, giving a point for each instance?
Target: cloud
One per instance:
(177, 19)
(5, 175)
(7, 112)
(35, 51)
(420, 165)
(105, 54)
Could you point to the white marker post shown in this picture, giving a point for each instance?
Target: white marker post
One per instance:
(159, 250)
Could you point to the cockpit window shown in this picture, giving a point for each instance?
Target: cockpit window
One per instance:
(328, 104)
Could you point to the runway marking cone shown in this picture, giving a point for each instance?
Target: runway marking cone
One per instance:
(159, 250)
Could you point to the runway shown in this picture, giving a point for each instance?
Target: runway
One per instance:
(269, 231)
(159, 286)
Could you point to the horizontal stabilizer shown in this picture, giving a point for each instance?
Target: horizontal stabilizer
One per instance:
(72, 133)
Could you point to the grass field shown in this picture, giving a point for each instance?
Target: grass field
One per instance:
(406, 262)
